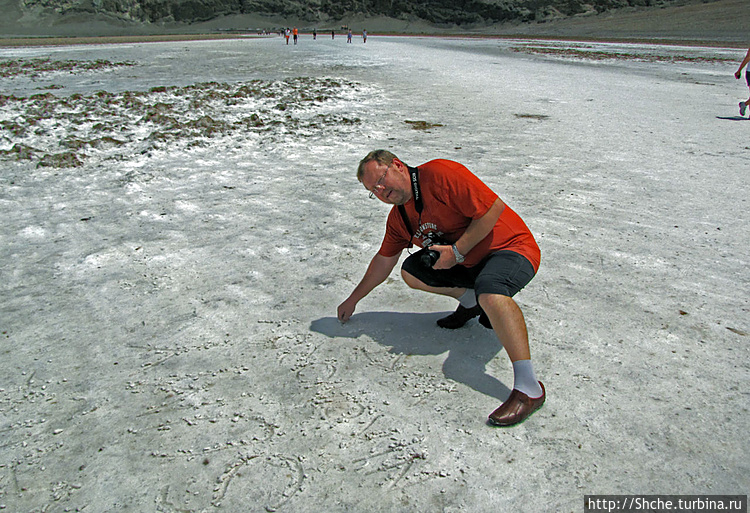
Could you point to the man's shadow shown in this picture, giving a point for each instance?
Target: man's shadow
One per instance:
(733, 118)
(417, 334)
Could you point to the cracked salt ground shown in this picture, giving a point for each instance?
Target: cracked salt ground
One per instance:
(168, 331)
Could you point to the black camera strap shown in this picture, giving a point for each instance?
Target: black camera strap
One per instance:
(418, 204)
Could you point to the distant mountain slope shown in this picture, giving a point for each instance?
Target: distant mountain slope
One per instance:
(714, 20)
(455, 12)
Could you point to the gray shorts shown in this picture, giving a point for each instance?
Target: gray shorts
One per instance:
(502, 272)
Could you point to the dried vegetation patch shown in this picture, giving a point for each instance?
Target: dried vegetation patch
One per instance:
(65, 131)
(37, 67)
(599, 55)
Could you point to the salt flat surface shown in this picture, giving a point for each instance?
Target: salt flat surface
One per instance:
(180, 223)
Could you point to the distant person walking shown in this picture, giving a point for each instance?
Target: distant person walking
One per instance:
(349, 36)
(295, 33)
(738, 74)
(333, 34)
(315, 34)
(286, 35)
(364, 36)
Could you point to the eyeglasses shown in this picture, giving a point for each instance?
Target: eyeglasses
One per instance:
(379, 187)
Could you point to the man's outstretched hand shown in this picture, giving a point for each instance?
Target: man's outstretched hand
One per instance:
(346, 309)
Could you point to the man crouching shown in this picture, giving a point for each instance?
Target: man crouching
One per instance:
(475, 249)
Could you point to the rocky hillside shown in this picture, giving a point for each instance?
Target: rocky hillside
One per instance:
(453, 12)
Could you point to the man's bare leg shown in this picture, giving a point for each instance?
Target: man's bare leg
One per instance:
(510, 327)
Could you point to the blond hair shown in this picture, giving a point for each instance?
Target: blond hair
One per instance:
(383, 157)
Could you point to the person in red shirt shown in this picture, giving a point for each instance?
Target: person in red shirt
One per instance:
(475, 249)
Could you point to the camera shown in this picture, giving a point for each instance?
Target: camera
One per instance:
(429, 257)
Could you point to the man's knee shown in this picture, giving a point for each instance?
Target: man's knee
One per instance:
(489, 301)
(410, 279)
(410, 270)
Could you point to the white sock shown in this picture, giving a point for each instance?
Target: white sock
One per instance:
(468, 299)
(524, 379)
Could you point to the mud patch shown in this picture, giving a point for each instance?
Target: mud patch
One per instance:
(422, 125)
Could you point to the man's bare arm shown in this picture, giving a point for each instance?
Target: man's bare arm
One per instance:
(477, 230)
(379, 269)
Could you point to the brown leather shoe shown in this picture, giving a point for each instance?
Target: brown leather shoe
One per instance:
(458, 318)
(516, 408)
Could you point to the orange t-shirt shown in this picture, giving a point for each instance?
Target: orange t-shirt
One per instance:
(453, 197)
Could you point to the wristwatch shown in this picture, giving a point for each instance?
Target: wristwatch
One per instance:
(459, 256)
